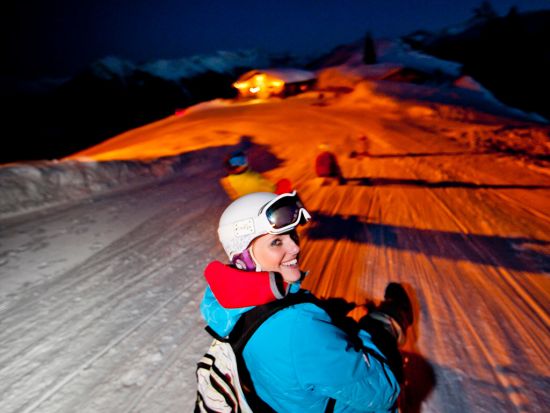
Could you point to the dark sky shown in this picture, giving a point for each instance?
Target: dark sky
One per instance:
(59, 37)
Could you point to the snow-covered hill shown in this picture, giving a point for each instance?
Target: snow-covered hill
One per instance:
(508, 54)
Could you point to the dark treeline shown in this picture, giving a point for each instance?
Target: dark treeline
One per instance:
(89, 109)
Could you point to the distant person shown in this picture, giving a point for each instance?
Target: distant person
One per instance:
(327, 167)
(362, 150)
(241, 179)
(299, 360)
(364, 144)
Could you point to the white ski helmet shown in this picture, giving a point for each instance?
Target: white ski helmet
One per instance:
(256, 214)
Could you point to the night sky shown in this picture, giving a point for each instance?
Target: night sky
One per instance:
(59, 37)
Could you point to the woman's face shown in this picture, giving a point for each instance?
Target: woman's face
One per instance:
(278, 253)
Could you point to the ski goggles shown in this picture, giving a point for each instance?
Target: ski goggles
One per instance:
(284, 213)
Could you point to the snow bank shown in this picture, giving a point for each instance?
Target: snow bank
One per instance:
(469, 84)
(390, 51)
(365, 96)
(338, 78)
(31, 186)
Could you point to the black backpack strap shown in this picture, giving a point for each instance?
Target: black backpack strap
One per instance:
(247, 325)
(215, 335)
(250, 321)
(330, 405)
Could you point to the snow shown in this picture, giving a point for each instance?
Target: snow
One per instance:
(111, 66)
(188, 67)
(397, 51)
(222, 62)
(394, 54)
(102, 253)
(41, 184)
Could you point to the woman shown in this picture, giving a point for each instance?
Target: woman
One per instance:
(298, 360)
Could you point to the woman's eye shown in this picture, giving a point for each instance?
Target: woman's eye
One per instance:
(276, 242)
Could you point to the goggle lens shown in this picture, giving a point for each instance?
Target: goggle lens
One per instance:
(284, 212)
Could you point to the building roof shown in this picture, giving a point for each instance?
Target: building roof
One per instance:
(286, 74)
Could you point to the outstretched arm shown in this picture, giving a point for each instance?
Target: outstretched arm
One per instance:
(235, 288)
(360, 378)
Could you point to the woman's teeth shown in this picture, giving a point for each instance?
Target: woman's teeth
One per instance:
(290, 263)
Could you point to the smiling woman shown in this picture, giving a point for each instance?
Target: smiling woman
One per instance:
(295, 359)
(278, 252)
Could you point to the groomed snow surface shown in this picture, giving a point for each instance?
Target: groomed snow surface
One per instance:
(101, 255)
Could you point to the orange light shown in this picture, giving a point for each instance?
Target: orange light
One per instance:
(260, 85)
(240, 85)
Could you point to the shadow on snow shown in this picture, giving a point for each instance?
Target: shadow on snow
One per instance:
(509, 252)
(436, 184)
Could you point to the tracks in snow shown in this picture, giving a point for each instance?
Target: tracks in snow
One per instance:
(76, 334)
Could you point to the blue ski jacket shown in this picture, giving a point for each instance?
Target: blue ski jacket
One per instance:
(298, 359)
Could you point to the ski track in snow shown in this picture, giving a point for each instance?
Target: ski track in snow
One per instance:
(99, 300)
(116, 322)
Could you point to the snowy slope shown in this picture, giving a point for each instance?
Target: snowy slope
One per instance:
(99, 292)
